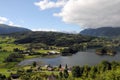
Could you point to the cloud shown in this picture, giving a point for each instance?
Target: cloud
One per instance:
(86, 13)
(12, 24)
(46, 4)
(91, 13)
(3, 20)
(45, 29)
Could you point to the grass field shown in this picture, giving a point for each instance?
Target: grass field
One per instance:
(11, 46)
(7, 68)
(30, 56)
(6, 72)
(7, 43)
(4, 55)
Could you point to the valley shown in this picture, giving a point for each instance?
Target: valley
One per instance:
(59, 40)
(25, 52)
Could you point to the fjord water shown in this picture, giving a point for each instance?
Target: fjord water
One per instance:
(81, 58)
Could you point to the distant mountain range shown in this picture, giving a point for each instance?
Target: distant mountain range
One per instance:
(6, 29)
(103, 31)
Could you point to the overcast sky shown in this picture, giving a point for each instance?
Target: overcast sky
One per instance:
(60, 15)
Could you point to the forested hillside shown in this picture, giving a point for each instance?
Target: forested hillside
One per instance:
(50, 38)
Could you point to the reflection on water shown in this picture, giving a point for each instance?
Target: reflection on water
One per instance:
(81, 58)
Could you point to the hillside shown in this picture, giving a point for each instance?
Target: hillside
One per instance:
(6, 29)
(104, 31)
(50, 38)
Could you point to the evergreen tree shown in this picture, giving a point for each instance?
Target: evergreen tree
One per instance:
(61, 74)
(34, 64)
(66, 67)
(60, 66)
(76, 72)
(66, 74)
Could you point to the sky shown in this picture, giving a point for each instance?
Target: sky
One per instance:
(60, 15)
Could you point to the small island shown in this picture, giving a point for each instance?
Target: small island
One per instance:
(106, 51)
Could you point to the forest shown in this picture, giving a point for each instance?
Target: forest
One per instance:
(102, 71)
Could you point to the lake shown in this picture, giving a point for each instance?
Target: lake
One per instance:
(81, 58)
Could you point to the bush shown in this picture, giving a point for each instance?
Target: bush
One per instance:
(13, 57)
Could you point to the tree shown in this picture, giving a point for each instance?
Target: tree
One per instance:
(66, 67)
(61, 74)
(76, 71)
(93, 72)
(66, 74)
(86, 70)
(0, 47)
(34, 64)
(29, 70)
(16, 50)
(114, 65)
(9, 78)
(66, 52)
(60, 66)
(14, 57)
(105, 65)
(2, 77)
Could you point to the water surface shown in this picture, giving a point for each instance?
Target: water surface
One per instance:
(81, 58)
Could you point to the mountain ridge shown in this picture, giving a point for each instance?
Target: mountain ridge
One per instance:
(103, 32)
(7, 29)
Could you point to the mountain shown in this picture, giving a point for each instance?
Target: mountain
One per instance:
(103, 31)
(6, 29)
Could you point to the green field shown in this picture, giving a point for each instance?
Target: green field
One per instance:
(7, 68)
(6, 48)
(6, 72)
(11, 46)
(4, 55)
